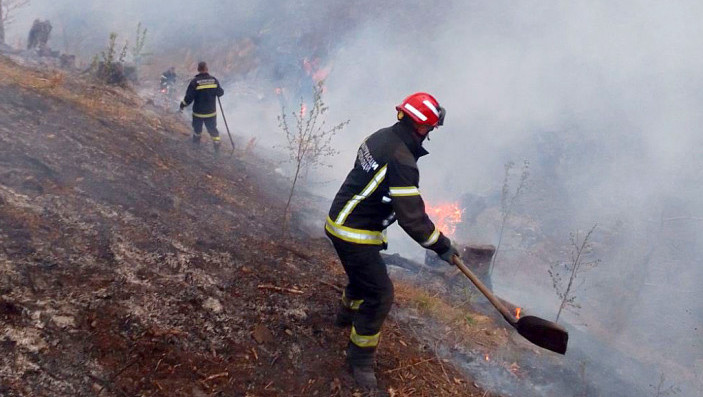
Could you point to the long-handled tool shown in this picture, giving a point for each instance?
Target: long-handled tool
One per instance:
(226, 126)
(543, 333)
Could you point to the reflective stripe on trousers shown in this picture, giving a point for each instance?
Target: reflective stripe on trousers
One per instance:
(352, 304)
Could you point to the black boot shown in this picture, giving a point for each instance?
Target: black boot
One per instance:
(196, 139)
(365, 378)
(360, 361)
(217, 147)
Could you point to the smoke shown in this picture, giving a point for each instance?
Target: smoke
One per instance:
(602, 98)
(604, 101)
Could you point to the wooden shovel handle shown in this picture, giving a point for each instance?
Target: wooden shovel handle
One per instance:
(484, 290)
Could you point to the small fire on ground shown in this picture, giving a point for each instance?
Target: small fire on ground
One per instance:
(517, 312)
(445, 216)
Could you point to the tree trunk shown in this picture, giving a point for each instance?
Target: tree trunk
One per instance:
(290, 198)
(2, 24)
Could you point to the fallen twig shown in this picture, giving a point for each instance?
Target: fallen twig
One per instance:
(215, 376)
(118, 373)
(256, 356)
(410, 365)
(280, 289)
(157, 333)
(158, 363)
(439, 360)
(296, 251)
(157, 385)
(273, 360)
(335, 287)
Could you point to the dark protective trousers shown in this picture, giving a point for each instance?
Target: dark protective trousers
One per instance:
(210, 124)
(369, 293)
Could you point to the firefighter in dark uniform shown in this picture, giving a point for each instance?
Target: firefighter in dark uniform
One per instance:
(380, 189)
(203, 91)
(168, 78)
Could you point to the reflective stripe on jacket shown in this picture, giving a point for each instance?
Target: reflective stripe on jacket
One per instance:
(203, 91)
(383, 187)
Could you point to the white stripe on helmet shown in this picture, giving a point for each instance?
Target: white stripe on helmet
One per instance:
(431, 106)
(414, 111)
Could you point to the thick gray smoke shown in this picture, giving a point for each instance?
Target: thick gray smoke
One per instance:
(602, 98)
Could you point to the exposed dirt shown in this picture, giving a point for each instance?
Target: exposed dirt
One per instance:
(131, 264)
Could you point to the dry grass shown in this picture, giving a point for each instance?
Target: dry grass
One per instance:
(96, 99)
(462, 324)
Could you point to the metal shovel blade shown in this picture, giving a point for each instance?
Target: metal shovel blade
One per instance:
(543, 333)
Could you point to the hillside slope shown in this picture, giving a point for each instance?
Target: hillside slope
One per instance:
(131, 264)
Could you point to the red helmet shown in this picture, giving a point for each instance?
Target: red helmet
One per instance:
(423, 109)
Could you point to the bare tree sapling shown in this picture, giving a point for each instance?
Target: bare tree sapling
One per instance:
(138, 52)
(111, 68)
(7, 9)
(507, 201)
(308, 140)
(661, 390)
(564, 274)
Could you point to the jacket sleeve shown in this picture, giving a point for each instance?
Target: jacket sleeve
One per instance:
(190, 94)
(410, 208)
(219, 91)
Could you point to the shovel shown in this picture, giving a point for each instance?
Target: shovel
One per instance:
(226, 126)
(541, 332)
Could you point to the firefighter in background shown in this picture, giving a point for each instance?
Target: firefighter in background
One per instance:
(203, 91)
(168, 80)
(382, 187)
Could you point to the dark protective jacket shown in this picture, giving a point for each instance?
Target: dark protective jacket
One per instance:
(168, 77)
(203, 91)
(383, 187)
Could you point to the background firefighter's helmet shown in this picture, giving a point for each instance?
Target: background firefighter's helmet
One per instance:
(423, 109)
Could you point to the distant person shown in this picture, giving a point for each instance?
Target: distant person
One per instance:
(203, 91)
(168, 80)
(382, 187)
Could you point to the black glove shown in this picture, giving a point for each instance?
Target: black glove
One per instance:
(447, 255)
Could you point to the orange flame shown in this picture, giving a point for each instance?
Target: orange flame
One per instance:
(488, 358)
(446, 217)
(517, 312)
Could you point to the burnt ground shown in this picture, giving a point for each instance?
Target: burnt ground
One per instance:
(131, 264)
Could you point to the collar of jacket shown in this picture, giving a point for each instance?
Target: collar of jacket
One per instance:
(407, 135)
(202, 75)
